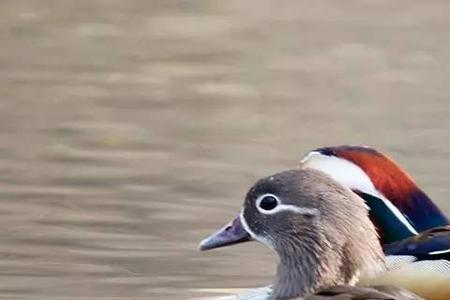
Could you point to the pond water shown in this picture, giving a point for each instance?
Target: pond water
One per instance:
(129, 130)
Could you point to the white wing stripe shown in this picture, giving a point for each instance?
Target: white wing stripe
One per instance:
(439, 252)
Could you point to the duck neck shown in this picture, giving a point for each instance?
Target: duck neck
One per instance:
(300, 273)
(293, 279)
(313, 266)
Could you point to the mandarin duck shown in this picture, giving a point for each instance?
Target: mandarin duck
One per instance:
(414, 232)
(320, 231)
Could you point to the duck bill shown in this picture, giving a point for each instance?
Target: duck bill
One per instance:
(230, 234)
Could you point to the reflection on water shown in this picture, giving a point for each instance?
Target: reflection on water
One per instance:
(131, 129)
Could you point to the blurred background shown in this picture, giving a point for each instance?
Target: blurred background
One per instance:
(129, 130)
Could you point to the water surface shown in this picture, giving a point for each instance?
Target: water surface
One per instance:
(129, 130)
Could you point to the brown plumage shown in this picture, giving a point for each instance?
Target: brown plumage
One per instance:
(321, 232)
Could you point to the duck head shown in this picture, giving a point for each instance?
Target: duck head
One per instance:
(398, 207)
(319, 229)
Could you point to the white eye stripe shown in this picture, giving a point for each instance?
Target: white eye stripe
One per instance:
(301, 210)
(266, 241)
(284, 207)
(295, 209)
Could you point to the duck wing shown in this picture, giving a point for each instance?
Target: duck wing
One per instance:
(432, 244)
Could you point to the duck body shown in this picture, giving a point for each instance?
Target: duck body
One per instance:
(423, 266)
(382, 292)
(432, 244)
(414, 232)
(338, 292)
(321, 233)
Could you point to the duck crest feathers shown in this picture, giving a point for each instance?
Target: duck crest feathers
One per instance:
(387, 180)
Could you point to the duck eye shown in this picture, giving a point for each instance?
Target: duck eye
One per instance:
(268, 202)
